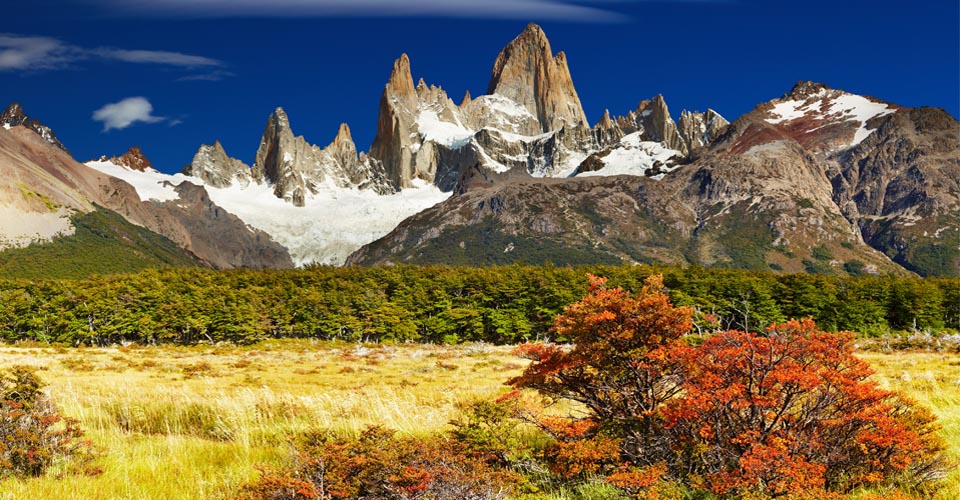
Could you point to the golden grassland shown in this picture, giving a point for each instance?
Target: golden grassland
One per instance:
(193, 423)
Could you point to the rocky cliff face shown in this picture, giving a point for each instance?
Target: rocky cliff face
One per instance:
(14, 116)
(700, 129)
(214, 167)
(527, 73)
(395, 143)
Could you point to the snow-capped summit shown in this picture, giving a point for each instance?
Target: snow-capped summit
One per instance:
(827, 120)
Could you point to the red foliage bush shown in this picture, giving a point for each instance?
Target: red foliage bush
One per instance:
(791, 412)
(34, 436)
(378, 465)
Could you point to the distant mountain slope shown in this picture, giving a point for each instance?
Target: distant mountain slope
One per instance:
(43, 187)
(103, 242)
(820, 181)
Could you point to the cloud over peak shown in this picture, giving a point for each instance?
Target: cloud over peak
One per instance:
(120, 115)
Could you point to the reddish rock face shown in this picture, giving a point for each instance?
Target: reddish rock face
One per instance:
(133, 159)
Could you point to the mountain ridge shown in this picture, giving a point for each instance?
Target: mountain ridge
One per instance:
(817, 180)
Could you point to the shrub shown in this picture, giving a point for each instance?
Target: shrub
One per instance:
(34, 436)
(794, 411)
(378, 465)
(787, 413)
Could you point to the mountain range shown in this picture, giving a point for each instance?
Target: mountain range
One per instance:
(818, 180)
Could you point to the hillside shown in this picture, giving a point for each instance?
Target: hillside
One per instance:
(103, 243)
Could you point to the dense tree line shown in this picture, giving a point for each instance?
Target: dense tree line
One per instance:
(439, 304)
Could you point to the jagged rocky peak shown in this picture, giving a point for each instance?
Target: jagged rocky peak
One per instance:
(297, 169)
(344, 136)
(343, 149)
(607, 132)
(653, 122)
(14, 116)
(467, 99)
(527, 72)
(133, 159)
(699, 129)
(216, 168)
(397, 139)
(401, 78)
(653, 117)
(277, 159)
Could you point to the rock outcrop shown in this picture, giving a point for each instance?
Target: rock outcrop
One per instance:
(14, 116)
(214, 167)
(606, 131)
(133, 159)
(699, 129)
(395, 145)
(652, 119)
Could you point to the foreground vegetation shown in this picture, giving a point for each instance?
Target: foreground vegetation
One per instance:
(632, 410)
(501, 305)
(175, 423)
(187, 423)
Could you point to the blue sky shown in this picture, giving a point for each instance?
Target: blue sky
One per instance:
(169, 75)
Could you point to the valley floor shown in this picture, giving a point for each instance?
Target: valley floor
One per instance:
(187, 423)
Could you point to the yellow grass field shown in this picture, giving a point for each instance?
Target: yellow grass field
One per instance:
(192, 423)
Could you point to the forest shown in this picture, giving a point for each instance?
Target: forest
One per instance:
(443, 305)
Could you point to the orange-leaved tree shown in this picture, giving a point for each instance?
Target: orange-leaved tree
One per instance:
(789, 412)
(623, 366)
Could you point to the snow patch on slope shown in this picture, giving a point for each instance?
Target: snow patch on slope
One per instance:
(333, 223)
(451, 135)
(150, 185)
(633, 156)
(836, 107)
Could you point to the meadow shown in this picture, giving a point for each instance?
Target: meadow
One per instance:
(196, 422)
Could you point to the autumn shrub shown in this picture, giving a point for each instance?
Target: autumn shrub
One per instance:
(380, 465)
(791, 412)
(34, 436)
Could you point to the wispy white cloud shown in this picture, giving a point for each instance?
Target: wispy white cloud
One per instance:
(120, 115)
(35, 53)
(566, 10)
(157, 57)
